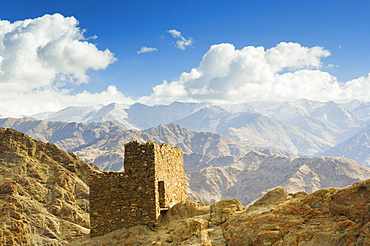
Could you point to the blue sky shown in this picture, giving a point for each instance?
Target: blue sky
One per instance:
(124, 27)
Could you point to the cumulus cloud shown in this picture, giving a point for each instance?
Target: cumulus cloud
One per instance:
(145, 49)
(182, 43)
(35, 52)
(287, 71)
(49, 99)
(39, 56)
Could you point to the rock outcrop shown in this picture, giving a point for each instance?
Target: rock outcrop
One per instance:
(43, 192)
(327, 217)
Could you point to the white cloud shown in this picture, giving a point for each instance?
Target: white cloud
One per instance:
(175, 33)
(287, 71)
(39, 56)
(34, 52)
(182, 43)
(49, 99)
(146, 50)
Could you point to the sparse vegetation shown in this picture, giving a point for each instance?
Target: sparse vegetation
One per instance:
(169, 239)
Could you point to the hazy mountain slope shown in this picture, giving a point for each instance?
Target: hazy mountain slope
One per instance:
(43, 192)
(196, 161)
(351, 105)
(102, 151)
(103, 142)
(301, 127)
(329, 120)
(5, 113)
(362, 112)
(197, 142)
(298, 113)
(207, 119)
(255, 173)
(80, 114)
(113, 112)
(255, 129)
(266, 131)
(66, 136)
(356, 148)
(144, 117)
(133, 117)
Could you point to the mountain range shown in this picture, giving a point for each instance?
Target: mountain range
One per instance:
(255, 174)
(103, 143)
(296, 128)
(217, 167)
(356, 148)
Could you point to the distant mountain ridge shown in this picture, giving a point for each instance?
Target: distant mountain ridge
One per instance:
(103, 143)
(356, 148)
(256, 173)
(300, 127)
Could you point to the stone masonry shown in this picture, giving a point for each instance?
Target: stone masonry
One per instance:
(153, 180)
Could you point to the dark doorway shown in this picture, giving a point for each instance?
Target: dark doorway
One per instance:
(161, 191)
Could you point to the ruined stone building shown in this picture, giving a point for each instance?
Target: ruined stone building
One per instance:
(153, 181)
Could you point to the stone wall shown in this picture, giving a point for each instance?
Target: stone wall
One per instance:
(153, 180)
(169, 168)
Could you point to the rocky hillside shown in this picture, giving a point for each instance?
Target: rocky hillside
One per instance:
(256, 173)
(44, 201)
(43, 192)
(326, 217)
(329, 217)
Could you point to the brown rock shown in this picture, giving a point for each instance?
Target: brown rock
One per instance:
(42, 200)
(222, 210)
(186, 209)
(325, 217)
(273, 197)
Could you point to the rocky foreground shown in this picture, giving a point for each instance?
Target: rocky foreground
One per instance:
(44, 201)
(327, 217)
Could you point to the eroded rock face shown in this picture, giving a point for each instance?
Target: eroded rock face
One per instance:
(43, 192)
(326, 217)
